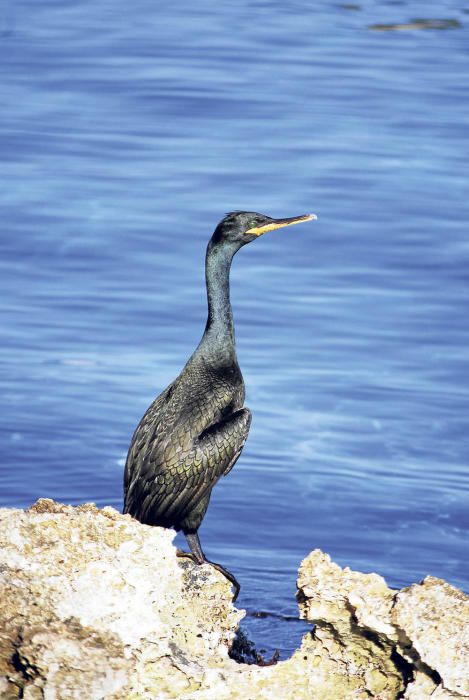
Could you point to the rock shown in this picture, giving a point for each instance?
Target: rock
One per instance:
(95, 605)
(425, 641)
(412, 643)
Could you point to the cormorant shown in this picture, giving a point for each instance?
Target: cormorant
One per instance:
(193, 433)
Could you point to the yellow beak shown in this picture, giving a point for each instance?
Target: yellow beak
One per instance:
(280, 223)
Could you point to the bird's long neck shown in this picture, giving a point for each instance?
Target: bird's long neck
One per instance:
(219, 331)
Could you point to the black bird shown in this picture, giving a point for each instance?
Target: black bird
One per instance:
(193, 433)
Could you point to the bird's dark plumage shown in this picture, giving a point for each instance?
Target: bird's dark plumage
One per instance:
(193, 433)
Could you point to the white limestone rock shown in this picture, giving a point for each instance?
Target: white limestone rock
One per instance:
(94, 605)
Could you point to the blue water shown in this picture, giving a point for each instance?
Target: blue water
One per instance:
(126, 133)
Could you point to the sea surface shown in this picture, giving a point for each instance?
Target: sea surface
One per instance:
(126, 132)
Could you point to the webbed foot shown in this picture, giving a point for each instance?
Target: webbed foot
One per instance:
(198, 557)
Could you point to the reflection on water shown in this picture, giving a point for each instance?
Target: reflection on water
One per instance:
(126, 133)
(417, 24)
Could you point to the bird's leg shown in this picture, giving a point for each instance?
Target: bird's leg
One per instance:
(199, 558)
(194, 543)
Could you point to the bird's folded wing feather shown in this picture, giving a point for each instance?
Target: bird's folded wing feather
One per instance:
(173, 477)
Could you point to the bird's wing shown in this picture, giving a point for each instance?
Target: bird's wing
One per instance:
(144, 435)
(172, 480)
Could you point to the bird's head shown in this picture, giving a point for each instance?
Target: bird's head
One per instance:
(241, 227)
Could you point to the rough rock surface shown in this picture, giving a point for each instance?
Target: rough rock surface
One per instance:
(412, 643)
(94, 605)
